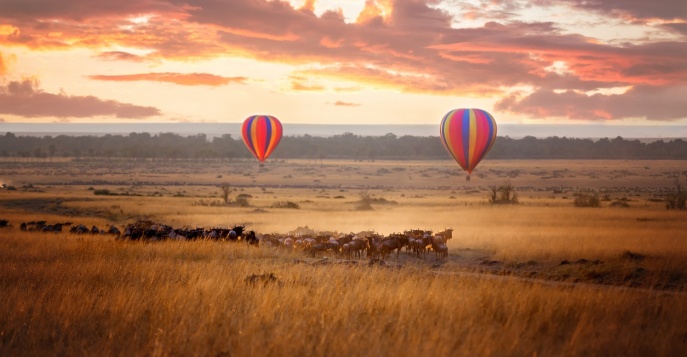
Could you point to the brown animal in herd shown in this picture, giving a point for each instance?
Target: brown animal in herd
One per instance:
(391, 243)
(439, 247)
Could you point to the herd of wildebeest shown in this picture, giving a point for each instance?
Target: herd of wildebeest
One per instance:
(352, 246)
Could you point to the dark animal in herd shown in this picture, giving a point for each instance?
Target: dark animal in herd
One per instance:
(376, 246)
(143, 230)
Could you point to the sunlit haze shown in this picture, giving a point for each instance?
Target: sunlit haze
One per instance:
(343, 62)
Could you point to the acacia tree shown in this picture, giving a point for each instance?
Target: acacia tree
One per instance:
(226, 191)
(503, 194)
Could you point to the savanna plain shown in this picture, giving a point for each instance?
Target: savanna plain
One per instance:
(538, 276)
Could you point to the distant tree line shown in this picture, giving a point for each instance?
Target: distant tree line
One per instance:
(345, 146)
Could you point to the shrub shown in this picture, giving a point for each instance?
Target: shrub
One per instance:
(242, 202)
(102, 192)
(208, 203)
(383, 201)
(586, 200)
(286, 204)
(622, 204)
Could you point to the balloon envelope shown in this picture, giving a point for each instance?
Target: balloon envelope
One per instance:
(261, 134)
(468, 134)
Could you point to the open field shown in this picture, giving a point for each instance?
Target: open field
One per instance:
(540, 277)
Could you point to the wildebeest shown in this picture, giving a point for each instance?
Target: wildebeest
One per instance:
(446, 234)
(357, 246)
(5, 223)
(55, 228)
(79, 229)
(238, 232)
(419, 244)
(114, 231)
(251, 239)
(440, 249)
(389, 244)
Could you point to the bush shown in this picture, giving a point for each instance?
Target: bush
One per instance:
(242, 202)
(383, 201)
(586, 200)
(286, 204)
(102, 192)
(209, 203)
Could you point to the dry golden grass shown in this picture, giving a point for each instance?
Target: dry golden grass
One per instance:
(73, 295)
(66, 295)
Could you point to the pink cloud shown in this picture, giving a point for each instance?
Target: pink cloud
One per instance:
(120, 56)
(639, 9)
(648, 102)
(25, 98)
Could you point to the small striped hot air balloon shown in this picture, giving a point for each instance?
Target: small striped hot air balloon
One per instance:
(261, 134)
(468, 134)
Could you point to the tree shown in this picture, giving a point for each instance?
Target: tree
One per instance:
(226, 191)
(678, 199)
(503, 194)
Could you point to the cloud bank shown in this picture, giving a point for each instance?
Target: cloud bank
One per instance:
(25, 98)
(413, 46)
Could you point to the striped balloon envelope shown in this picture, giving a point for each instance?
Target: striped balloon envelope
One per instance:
(261, 134)
(468, 134)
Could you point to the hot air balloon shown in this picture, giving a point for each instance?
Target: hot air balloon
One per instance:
(261, 134)
(468, 134)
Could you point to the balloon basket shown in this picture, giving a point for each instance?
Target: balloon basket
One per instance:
(467, 178)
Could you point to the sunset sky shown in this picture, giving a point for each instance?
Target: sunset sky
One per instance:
(343, 62)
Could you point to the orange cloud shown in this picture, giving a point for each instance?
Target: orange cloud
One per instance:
(184, 79)
(329, 43)
(3, 67)
(309, 5)
(299, 86)
(406, 82)
(371, 11)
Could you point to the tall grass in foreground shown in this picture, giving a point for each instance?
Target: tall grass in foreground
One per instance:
(67, 295)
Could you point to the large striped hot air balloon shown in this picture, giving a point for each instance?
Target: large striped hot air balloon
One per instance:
(261, 134)
(468, 134)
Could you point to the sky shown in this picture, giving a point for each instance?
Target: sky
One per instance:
(343, 62)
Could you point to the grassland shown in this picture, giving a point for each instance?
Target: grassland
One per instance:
(540, 277)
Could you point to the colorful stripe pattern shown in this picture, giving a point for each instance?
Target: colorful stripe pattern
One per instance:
(468, 134)
(261, 134)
